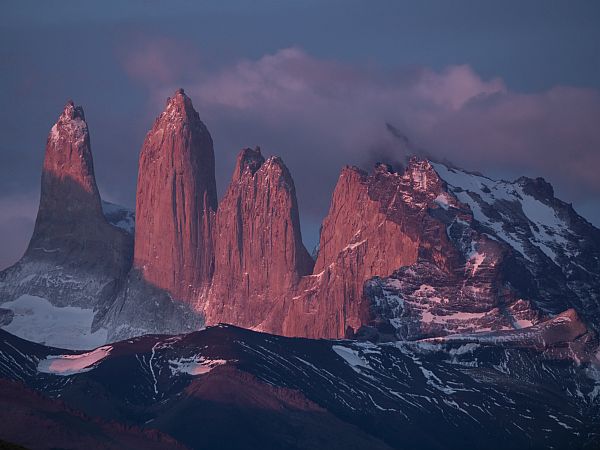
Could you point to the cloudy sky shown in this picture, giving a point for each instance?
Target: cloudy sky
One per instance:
(506, 88)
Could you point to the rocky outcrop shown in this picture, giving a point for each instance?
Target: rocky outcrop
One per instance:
(493, 256)
(401, 256)
(62, 288)
(392, 259)
(564, 336)
(259, 254)
(176, 202)
(552, 253)
(358, 240)
(75, 257)
(142, 308)
(370, 230)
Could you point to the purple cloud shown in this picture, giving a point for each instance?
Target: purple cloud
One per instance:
(321, 114)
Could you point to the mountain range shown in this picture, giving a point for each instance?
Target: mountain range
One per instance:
(437, 296)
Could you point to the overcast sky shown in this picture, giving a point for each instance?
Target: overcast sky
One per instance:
(507, 88)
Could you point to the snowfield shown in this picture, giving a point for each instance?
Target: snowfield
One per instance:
(72, 364)
(37, 320)
(547, 231)
(196, 365)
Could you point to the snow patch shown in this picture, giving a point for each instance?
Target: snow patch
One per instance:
(38, 320)
(463, 349)
(442, 200)
(65, 365)
(351, 356)
(522, 323)
(353, 246)
(474, 259)
(433, 380)
(428, 317)
(194, 365)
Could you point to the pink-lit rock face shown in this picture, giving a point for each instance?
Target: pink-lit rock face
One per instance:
(68, 155)
(70, 226)
(426, 252)
(176, 202)
(259, 255)
(394, 260)
(373, 228)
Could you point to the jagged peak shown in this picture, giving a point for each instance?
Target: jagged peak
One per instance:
(275, 168)
(537, 187)
(179, 111)
(179, 99)
(249, 159)
(419, 172)
(275, 162)
(422, 175)
(418, 163)
(72, 112)
(71, 124)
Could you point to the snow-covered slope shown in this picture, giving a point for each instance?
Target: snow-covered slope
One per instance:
(38, 320)
(281, 392)
(522, 213)
(494, 255)
(560, 249)
(60, 322)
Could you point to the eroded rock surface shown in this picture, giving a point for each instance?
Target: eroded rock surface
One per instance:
(259, 254)
(176, 202)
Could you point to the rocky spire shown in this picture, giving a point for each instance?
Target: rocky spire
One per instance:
(176, 201)
(68, 182)
(259, 255)
(70, 227)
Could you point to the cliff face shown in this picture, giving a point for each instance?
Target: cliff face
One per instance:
(371, 229)
(428, 252)
(176, 202)
(400, 257)
(259, 254)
